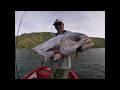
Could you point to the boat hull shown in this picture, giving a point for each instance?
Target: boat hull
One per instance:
(43, 72)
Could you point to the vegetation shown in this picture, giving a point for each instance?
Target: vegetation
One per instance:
(29, 40)
(98, 42)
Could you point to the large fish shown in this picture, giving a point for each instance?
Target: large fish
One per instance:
(68, 44)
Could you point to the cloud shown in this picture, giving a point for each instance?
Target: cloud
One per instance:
(91, 23)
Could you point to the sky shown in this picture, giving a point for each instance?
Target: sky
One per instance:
(91, 23)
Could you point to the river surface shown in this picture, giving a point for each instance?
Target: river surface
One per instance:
(89, 65)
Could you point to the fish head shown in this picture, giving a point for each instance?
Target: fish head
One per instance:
(76, 37)
(84, 44)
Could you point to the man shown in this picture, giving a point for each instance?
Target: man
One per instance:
(60, 63)
(60, 68)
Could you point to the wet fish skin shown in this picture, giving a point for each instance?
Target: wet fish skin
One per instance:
(66, 43)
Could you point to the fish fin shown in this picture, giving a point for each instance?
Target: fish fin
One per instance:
(44, 61)
(76, 53)
(79, 49)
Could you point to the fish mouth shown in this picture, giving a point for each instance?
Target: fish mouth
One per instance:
(85, 43)
(88, 40)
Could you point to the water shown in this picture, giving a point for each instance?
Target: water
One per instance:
(89, 65)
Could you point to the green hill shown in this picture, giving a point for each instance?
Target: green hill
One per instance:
(29, 40)
(99, 42)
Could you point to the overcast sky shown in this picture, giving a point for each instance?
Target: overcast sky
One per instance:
(91, 23)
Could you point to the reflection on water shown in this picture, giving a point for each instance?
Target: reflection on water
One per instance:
(89, 65)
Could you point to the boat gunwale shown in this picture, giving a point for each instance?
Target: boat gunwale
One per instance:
(41, 67)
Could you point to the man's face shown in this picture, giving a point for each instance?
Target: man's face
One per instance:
(59, 26)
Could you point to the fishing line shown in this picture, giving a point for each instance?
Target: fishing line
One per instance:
(16, 43)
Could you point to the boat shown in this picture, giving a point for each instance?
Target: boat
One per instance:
(43, 72)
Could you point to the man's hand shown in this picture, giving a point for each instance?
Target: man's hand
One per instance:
(58, 52)
(58, 55)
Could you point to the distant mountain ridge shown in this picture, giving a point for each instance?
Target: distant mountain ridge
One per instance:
(29, 40)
